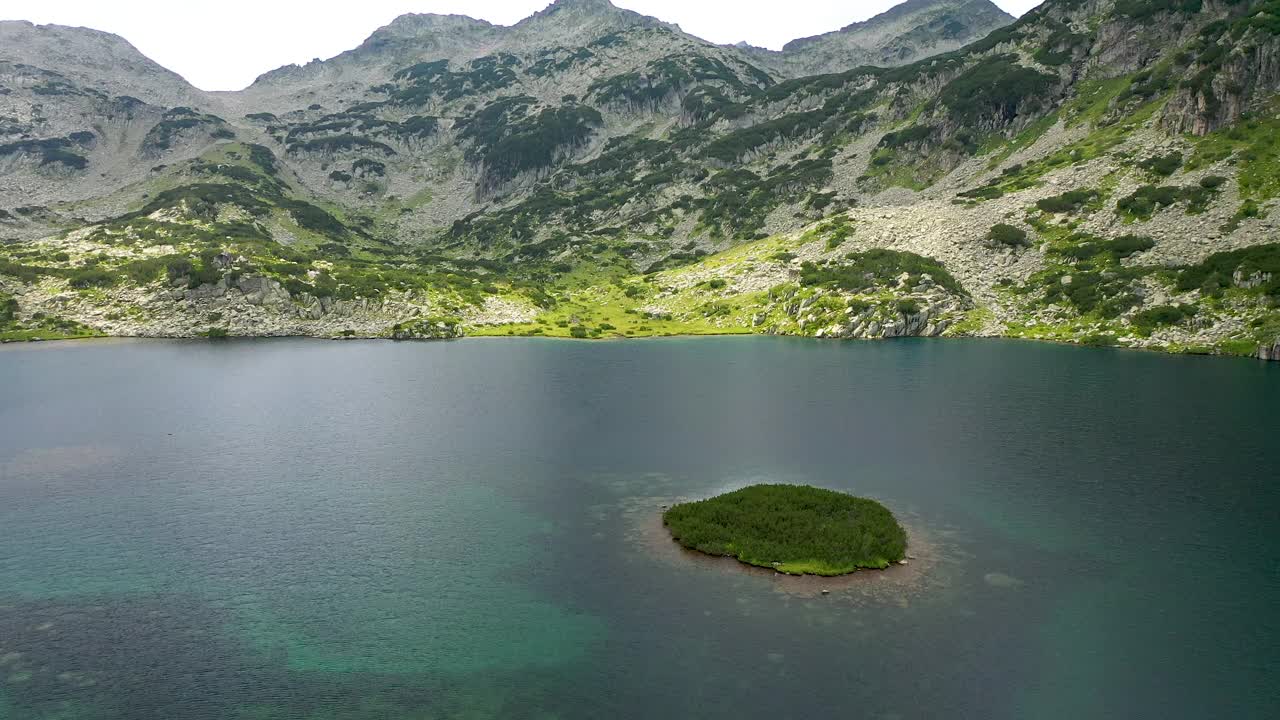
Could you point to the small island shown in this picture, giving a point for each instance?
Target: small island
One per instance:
(794, 529)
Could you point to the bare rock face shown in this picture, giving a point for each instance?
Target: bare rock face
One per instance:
(1270, 352)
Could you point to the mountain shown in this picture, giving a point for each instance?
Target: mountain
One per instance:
(1099, 171)
(89, 58)
(904, 34)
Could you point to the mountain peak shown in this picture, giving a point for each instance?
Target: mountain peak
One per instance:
(906, 32)
(952, 15)
(573, 21)
(592, 5)
(410, 23)
(96, 59)
(592, 9)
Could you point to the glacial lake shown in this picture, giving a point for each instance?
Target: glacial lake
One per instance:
(287, 529)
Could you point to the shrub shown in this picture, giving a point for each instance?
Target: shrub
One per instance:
(315, 219)
(996, 88)
(339, 143)
(91, 277)
(1160, 315)
(1067, 202)
(51, 151)
(1008, 235)
(8, 311)
(1217, 271)
(859, 271)
(986, 192)
(1127, 245)
(578, 331)
(145, 270)
(1162, 165)
(178, 268)
(365, 166)
(1146, 9)
(907, 136)
(1146, 200)
(1108, 295)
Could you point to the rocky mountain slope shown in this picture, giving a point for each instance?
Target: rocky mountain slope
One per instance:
(1100, 171)
(912, 31)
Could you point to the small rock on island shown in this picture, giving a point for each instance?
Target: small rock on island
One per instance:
(794, 529)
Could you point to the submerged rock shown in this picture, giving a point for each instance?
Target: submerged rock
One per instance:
(1001, 580)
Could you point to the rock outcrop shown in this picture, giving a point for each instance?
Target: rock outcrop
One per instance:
(1270, 352)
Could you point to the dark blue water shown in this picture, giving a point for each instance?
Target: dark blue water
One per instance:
(302, 529)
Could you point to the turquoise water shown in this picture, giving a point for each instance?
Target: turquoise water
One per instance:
(303, 529)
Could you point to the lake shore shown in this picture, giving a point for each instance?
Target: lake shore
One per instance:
(1262, 355)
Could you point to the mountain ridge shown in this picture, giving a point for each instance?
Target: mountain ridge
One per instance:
(941, 26)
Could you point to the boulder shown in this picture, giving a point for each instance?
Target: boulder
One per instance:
(1270, 352)
(262, 291)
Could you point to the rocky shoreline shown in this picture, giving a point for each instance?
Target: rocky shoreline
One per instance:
(412, 332)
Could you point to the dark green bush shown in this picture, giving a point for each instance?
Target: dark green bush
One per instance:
(91, 277)
(1008, 235)
(861, 271)
(1108, 295)
(907, 136)
(8, 311)
(1147, 9)
(995, 91)
(1146, 200)
(1127, 245)
(1161, 315)
(340, 143)
(1067, 202)
(51, 151)
(986, 192)
(145, 270)
(1217, 271)
(1163, 165)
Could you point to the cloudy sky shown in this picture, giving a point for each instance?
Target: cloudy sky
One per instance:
(225, 44)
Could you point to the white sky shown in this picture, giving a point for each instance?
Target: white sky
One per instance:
(225, 44)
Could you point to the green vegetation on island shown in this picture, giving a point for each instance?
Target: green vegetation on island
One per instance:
(794, 529)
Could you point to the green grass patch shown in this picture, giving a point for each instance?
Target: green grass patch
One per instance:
(1253, 145)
